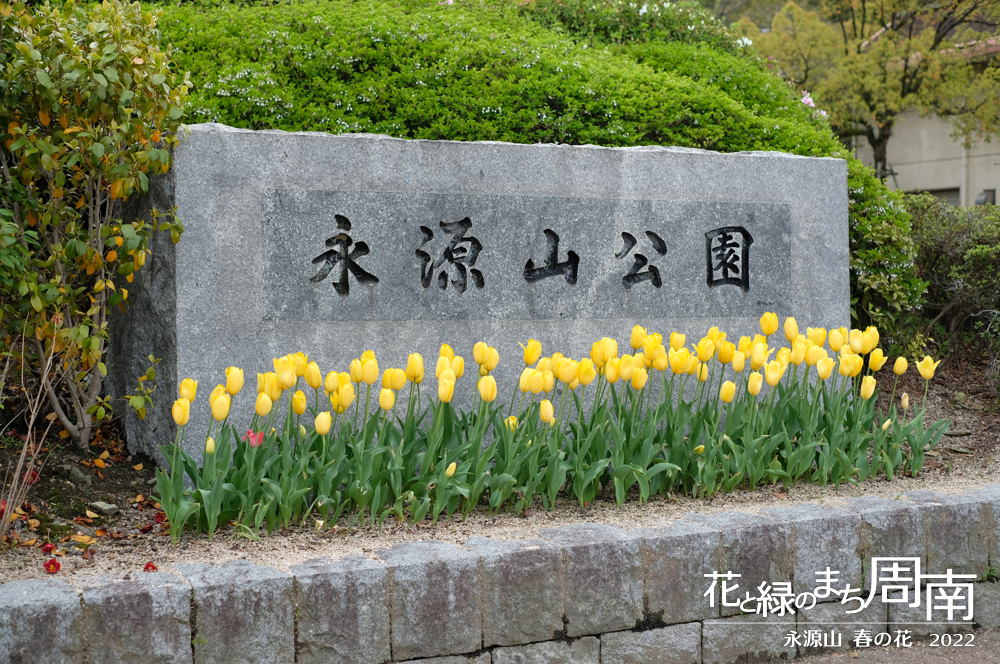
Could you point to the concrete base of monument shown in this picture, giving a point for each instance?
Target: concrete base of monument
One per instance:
(577, 585)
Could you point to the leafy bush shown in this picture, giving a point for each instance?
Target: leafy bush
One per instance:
(90, 108)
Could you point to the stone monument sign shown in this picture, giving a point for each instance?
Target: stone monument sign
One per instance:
(333, 245)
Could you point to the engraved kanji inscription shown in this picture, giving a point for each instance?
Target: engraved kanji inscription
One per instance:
(637, 275)
(459, 256)
(727, 254)
(552, 267)
(341, 256)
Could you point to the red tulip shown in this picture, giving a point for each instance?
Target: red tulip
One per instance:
(48, 548)
(150, 567)
(160, 517)
(52, 566)
(254, 439)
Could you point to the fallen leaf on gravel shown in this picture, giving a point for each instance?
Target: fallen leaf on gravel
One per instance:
(139, 498)
(51, 417)
(100, 474)
(82, 539)
(137, 466)
(88, 554)
(64, 434)
(34, 523)
(105, 454)
(99, 463)
(102, 533)
(86, 463)
(780, 495)
(29, 542)
(93, 515)
(59, 552)
(146, 528)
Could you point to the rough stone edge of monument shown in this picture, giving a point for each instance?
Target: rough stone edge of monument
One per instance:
(31, 604)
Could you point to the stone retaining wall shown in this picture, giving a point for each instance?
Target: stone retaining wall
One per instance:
(582, 594)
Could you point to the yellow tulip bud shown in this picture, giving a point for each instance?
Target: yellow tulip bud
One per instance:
(322, 423)
(791, 329)
(346, 395)
(699, 449)
(479, 352)
(727, 352)
(302, 431)
(332, 382)
(299, 402)
(814, 354)
(927, 366)
(639, 361)
(537, 382)
(900, 367)
(886, 424)
(369, 372)
(638, 336)
(488, 388)
(446, 389)
(492, 358)
(609, 348)
(705, 349)
(272, 386)
(458, 366)
(448, 375)
(758, 356)
(216, 393)
(639, 377)
(386, 398)
(798, 353)
(544, 364)
(739, 361)
(769, 323)
(836, 340)
(524, 380)
(181, 411)
(905, 401)
(568, 371)
(858, 363)
(387, 378)
(677, 341)
(825, 367)
(876, 359)
(398, 379)
(511, 423)
(626, 367)
(649, 344)
(612, 370)
(415, 368)
(450, 470)
(546, 412)
(586, 372)
(299, 363)
(548, 381)
(443, 364)
(234, 380)
(335, 403)
(660, 358)
(871, 338)
(727, 391)
(846, 365)
(355, 369)
(755, 382)
(693, 365)
(856, 338)
(773, 372)
(209, 446)
(532, 351)
(446, 351)
(220, 407)
(702, 372)
(784, 356)
(188, 389)
(284, 372)
(817, 335)
(263, 405)
(867, 387)
(597, 354)
(313, 376)
(718, 338)
(745, 346)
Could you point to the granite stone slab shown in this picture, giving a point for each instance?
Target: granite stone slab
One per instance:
(958, 529)
(832, 620)
(295, 239)
(676, 644)
(891, 529)
(342, 611)
(675, 559)
(143, 620)
(481, 658)
(41, 622)
(585, 650)
(747, 638)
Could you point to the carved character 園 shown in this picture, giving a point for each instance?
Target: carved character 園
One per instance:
(727, 254)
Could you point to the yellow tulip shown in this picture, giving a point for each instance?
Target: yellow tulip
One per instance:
(867, 387)
(220, 407)
(858, 365)
(443, 364)
(773, 372)
(639, 378)
(626, 367)
(586, 372)
(209, 446)
(678, 358)
(263, 405)
(814, 354)
(313, 376)
(369, 372)
(825, 367)
(876, 359)
(791, 329)
(446, 351)
(718, 338)
(181, 411)
(886, 424)
(322, 423)
(546, 412)
(335, 403)
(355, 369)
(649, 345)
(299, 402)
(817, 335)
(458, 366)
(450, 470)
(299, 363)
(846, 365)
(727, 352)
(386, 398)
(699, 449)
(492, 358)
(739, 361)
(693, 365)
(397, 380)
(639, 361)
(660, 358)
(758, 356)
(639, 335)
(332, 382)
(769, 323)
(448, 375)
(488, 388)
(284, 372)
(836, 340)
(871, 338)
(548, 381)
(677, 341)
(537, 382)
(511, 423)
(798, 353)
(597, 354)
(525, 379)
(272, 386)
(784, 356)
(927, 366)
(479, 352)
(234, 380)
(446, 390)
(415, 368)
(367, 356)
(702, 372)
(905, 401)
(755, 382)
(188, 389)
(705, 349)
(216, 393)
(900, 367)
(727, 391)
(387, 378)
(346, 395)
(857, 341)
(612, 370)
(532, 351)
(745, 346)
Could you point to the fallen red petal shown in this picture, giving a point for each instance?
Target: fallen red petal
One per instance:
(47, 548)
(52, 566)
(150, 567)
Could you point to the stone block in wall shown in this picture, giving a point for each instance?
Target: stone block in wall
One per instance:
(481, 658)
(585, 650)
(522, 590)
(675, 644)
(833, 616)
(986, 605)
(914, 619)
(755, 547)
(822, 538)
(675, 558)
(436, 600)
(243, 613)
(145, 619)
(603, 577)
(41, 622)
(990, 494)
(746, 638)
(958, 530)
(890, 529)
(342, 613)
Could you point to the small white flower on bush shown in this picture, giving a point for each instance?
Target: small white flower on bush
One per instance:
(744, 42)
(643, 10)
